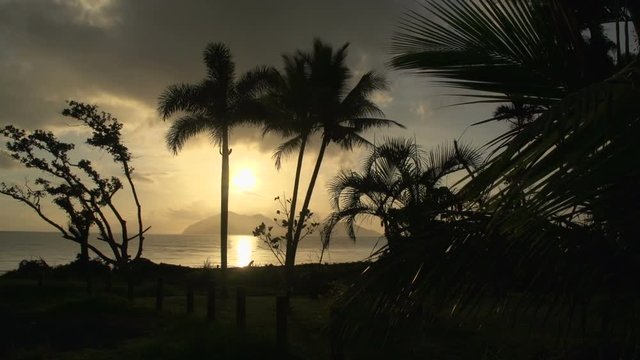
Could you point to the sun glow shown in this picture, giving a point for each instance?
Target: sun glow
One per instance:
(244, 250)
(244, 180)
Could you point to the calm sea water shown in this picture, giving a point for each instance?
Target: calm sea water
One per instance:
(187, 250)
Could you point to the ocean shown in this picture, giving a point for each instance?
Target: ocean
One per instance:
(186, 250)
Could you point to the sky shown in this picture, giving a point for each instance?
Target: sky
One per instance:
(121, 55)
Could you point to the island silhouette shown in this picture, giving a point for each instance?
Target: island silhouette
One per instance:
(240, 224)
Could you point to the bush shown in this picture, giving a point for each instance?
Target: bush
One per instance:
(94, 266)
(33, 266)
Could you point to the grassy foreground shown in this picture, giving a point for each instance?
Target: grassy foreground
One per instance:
(68, 317)
(58, 314)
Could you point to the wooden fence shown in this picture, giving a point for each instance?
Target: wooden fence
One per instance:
(281, 305)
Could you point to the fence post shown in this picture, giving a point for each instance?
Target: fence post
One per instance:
(190, 298)
(211, 301)
(159, 295)
(282, 308)
(241, 308)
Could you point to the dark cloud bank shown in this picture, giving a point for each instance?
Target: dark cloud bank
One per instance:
(56, 50)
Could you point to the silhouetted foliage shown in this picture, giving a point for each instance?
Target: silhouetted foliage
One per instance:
(277, 243)
(32, 267)
(402, 186)
(76, 187)
(555, 240)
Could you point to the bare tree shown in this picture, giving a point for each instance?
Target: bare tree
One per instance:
(76, 187)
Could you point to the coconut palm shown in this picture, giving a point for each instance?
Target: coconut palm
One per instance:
(213, 107)
(289, 104)
(316, 100)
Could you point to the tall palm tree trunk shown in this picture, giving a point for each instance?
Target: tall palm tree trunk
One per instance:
(224, 199)
(294, 197)
(291, 249)
(290, 259)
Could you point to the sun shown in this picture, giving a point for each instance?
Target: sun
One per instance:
(244, 180)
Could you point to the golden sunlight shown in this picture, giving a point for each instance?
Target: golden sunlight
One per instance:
(244, 250)
(244, 180)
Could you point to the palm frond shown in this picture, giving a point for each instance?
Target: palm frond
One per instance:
(220, 65)
(357, 104)
(362, 123)
(329, 74)
(347, 138)
(561, 162)
(285, 149)
(508, 47)
(186, 127)
(256, 81)
(181, 97)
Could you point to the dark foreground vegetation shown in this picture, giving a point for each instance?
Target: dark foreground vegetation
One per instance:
(532, 255)
(64, 313)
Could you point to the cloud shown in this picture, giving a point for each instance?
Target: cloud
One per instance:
(422, 110)
(55, 50)
(382, 99)
(148, 177)
(197, 210)
(96, 13)
(7, 162)
(122, 54)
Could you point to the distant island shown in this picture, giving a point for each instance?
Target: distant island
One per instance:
(244, 224)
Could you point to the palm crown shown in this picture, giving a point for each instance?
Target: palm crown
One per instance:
(217, 103)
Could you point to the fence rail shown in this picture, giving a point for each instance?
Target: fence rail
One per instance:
(281, 302)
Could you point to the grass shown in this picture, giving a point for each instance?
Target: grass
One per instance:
(61, 320)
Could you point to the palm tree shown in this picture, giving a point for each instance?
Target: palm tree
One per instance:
(289, 103)
(560, 188)
(403, 186)
(213, 106)
(516, 113)
(400, 184)
(314, 94)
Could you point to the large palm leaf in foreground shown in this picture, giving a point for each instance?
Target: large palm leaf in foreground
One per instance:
(558, 244)
(532, 52)
(213, 107)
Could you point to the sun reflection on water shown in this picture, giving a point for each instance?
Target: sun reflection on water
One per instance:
(244, 250)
